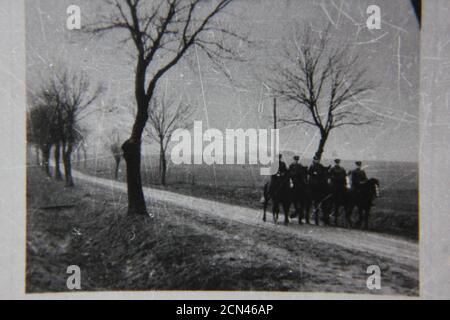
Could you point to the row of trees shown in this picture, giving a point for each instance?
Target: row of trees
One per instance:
(54, 118)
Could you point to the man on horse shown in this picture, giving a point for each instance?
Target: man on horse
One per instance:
(363, 193)
(282, 168)
(277, 190)
(319, 189)
(358, 177)
(298, 172)
(299, 176)
(316, 171)
(338, 185)
(280, 174)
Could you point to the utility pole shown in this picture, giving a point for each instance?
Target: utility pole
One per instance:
(275, 113)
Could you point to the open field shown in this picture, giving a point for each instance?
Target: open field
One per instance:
(395, 212)
(180, 249)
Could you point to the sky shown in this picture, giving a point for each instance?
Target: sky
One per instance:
(391, 55)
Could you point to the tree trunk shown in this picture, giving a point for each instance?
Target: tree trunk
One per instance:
(85, 157)
(163, 169)
(275, 113)
(57, 158)
(160, 165)
(67, 158)
(132, 155)
(116, 171)
(46, 160)
(132, 147)
(321, 148)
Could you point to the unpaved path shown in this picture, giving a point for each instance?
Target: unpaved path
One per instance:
(401, 251)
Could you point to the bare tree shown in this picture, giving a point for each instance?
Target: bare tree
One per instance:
(162, 33)
(82, 144)
(77, 94)
(323, 81)
(64, 96)
(46, 124)
(38, 132)
(165, 118)
(54, 117)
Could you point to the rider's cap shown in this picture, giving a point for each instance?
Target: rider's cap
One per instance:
(337, 160)
(358, 163)
(296, 158)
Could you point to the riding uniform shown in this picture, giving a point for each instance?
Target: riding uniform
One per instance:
(282, 168)
(316, 172)
(338, 183)
(282, 171)
(299, 176)
(338, 178)
(298, 173)
(358, 177)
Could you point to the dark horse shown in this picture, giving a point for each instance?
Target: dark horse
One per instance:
(301, 198)
(320, 195)
(340, 200)
(362, 198)
(278, 190)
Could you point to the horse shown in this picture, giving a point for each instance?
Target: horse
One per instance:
(320, 195)
(278, 189)
(301, 199)
(362, 198)
(340, 199)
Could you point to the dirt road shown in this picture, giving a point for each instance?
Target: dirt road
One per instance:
(395, 255)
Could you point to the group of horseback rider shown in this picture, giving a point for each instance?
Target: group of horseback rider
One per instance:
(337, 174)
(323, 188)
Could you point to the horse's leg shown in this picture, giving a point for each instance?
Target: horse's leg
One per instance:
(326, 214)
(336, 213)
(295, 213)
(286, 206)
(313, 211)
(316, 212)
(306, 209)
(266, 197)
(348, 216)
(265, 209)
(339, 203)
(295, 203)
(300, 212)
(275, 210)
(327, 208)
(366, 218)
(360, 216)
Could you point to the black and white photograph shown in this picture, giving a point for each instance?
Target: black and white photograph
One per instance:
(223, 145)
